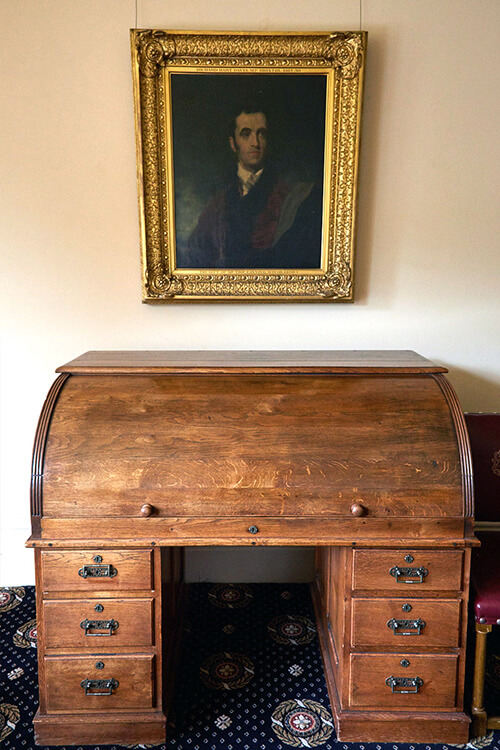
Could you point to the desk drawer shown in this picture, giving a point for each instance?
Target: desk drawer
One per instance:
(99, 682)
(403, 623)
(415, 570)
(96, 570)
(98, 625)
(403, 681)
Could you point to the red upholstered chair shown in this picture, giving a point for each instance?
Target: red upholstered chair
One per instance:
(484, 434)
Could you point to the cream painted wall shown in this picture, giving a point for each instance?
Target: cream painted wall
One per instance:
(428, 241)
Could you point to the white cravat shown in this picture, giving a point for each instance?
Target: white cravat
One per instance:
(247, 179)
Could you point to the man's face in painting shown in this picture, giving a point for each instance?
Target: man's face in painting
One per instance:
(249, 142)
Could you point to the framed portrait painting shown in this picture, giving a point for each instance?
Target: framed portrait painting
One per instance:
(247, 160)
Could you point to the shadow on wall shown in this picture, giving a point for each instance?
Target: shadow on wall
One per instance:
(475, 392)
(369, 167)
(250, 564)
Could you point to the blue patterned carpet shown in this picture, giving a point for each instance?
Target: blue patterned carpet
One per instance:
(250, 676)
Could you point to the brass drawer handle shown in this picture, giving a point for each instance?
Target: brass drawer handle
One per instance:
(109, 625)
(99, 687)
(398, 684)
(416, 575)
(406, 627)
(97, 571)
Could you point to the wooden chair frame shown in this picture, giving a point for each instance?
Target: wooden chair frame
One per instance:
(481, 444)
(481, 722)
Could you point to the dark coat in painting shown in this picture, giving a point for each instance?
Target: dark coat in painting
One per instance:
(275, 225)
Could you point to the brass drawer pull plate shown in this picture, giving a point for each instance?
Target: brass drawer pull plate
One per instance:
(399, 684)
(406, 627)
(97, 571)
(416, 575)
(99, 687)
(109, 625)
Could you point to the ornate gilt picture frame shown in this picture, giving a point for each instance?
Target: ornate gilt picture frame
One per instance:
(247, 160)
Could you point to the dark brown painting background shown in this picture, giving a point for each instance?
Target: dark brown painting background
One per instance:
(202, 109)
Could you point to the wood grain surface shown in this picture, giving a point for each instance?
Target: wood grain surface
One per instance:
(368, 687)
(249, 361)
(372, 570)
(63, 618)
(279, 446)
(60, 570)
(370, 620)
(133, 672)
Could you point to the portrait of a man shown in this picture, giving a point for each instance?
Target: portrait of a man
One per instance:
(248, 189)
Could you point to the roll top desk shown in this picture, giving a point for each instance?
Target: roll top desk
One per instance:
(363, 455)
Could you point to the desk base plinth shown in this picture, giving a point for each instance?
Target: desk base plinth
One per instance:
(89, 729)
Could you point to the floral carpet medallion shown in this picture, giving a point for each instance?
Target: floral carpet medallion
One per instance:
(9, 716)
(230, 595)
(11, 597)
(25, 636)
(292, 629)
(227, 671)
(302, 723)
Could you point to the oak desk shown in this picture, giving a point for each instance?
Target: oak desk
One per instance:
(362, 454)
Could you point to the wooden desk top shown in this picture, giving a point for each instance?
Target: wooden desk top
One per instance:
(248, 362)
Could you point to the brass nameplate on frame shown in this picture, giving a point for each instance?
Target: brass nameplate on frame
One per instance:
(247, 160)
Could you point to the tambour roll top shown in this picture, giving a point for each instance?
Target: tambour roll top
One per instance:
(334, 438)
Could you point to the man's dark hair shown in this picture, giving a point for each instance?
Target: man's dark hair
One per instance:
(247, 107)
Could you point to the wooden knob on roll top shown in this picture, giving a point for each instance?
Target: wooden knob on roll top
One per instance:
(358, 510)
(147, 510)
